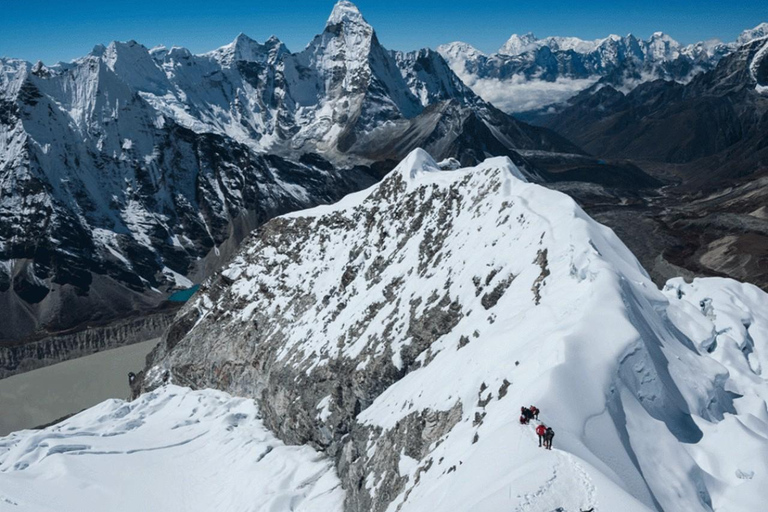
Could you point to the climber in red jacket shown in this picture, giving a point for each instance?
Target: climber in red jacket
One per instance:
(540, 431)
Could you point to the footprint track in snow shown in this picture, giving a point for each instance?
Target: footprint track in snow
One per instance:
(568, 489)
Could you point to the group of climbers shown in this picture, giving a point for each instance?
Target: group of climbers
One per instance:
(528, 413)
(545, 433)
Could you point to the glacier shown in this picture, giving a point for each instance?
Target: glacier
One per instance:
(173, 450)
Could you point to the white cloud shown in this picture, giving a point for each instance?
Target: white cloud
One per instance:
(518, 93)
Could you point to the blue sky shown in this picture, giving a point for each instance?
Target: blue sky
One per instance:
(62, 30)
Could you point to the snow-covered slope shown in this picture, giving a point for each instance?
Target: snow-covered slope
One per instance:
(170, 450)
(527, 73)
(400, 331)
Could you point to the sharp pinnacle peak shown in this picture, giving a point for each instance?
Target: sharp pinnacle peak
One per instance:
(345, 11)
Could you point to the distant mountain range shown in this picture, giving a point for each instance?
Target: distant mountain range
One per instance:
(527, 73)
(716, 124)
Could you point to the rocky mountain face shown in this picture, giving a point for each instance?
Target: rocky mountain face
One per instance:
(133, 172)
(399, 331)
(550, 70)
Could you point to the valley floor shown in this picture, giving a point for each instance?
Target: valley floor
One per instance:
(47, 394)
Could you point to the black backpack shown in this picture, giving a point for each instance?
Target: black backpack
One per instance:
(549, 432)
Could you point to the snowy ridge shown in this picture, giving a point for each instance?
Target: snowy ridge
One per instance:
(401, 330)
(171, 450)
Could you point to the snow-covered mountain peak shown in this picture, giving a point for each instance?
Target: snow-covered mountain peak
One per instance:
(432, 305)
(128, 53)
(572, 43)
(419, 168)
(98, 50)
(519, 44)
(662, 47)
(40, 70)
(418, 161)
(245, 49)
(751, 34)
(346, 12)
(136, 66)
(458, 49)
(528, 73)
(399, 331)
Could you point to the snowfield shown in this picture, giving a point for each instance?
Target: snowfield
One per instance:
(171, 450)
(399, 332)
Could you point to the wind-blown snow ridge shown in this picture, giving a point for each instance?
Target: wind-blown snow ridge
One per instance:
(170, 450)
(401, 329)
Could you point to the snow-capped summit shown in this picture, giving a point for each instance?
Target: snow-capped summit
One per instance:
(144, 166)
(517, 45)
(346, 12)
(560, 67)
(396, 334)
(245, 49)
(758, 32)
(458, 49)
(661, 47)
